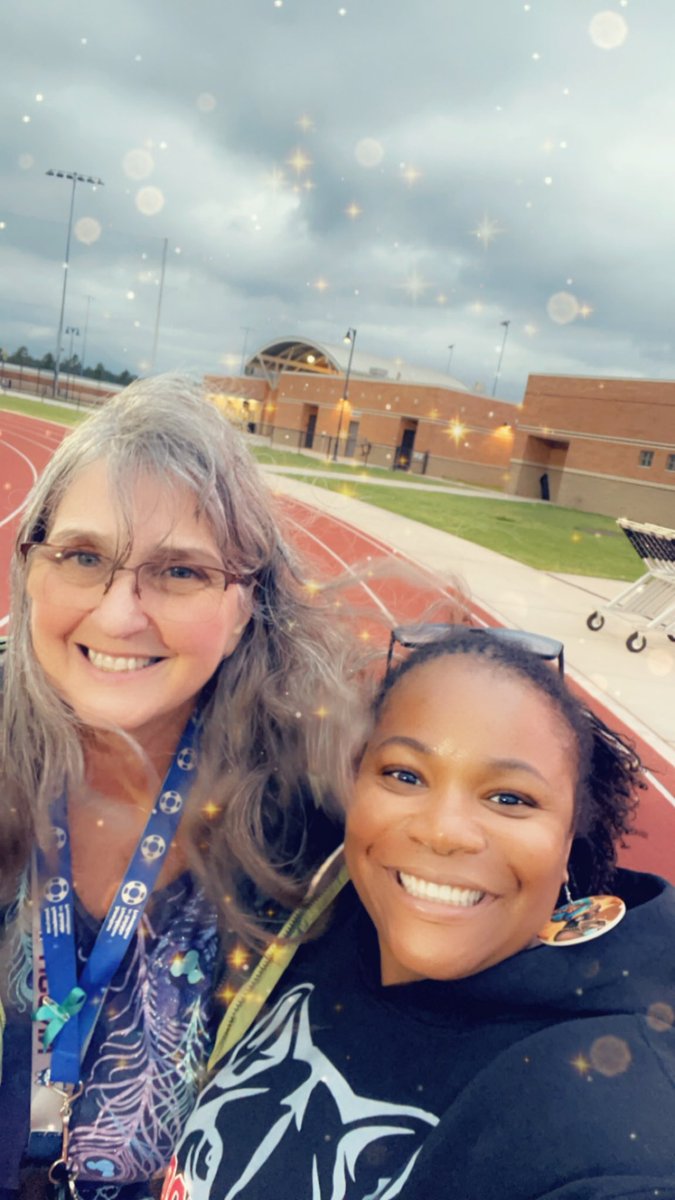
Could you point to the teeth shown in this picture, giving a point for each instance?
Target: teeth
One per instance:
(105, 662)
(442, 893)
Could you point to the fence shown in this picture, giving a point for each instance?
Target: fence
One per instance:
(39, 381)
(323, 445)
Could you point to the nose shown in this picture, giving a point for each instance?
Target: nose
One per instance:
(449, 823)
(121, 611)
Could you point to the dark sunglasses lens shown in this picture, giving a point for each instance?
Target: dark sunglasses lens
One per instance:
(536, 643)
(413, 636)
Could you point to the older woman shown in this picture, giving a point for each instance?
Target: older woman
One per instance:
(441, 1040)
(164, 658)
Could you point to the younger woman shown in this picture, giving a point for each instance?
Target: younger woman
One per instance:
(441, 1040)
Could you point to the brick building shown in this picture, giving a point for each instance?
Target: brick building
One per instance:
(599, 445)
(386, 413)
(604, 445)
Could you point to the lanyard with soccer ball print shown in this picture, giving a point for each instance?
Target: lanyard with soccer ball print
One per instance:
(67, 1008)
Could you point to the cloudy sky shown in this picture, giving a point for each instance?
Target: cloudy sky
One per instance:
(421, 171)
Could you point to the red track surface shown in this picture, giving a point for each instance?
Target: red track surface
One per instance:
(333, 547)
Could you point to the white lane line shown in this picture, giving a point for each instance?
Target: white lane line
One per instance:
(661, 788)
(49, 444)
(11, 412)
(346, 566)
(10, 517)
(5, 520)
(377, 544)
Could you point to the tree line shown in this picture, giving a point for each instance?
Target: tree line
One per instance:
(68, 366)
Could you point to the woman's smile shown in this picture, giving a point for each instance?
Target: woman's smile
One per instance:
(439, 893)
(110, 662)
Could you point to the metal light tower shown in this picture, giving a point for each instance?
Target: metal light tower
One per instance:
(450, 348)
(84, 339)
(75, 178)
(74, 332)
(501, 355)
(350, 339)
(160, 297)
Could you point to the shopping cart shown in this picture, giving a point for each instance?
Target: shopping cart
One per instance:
(651, 599)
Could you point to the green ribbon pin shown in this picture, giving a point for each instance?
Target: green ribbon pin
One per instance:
(56, 1014)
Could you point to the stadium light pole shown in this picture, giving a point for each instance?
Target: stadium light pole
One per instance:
(349, 339)
(75, 178)
(84, 339)
(501, 355)
(450, 348)
(74, 332)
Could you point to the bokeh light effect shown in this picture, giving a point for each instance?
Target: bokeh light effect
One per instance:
(149, 201)
(206, 102)
(610, 1055)
(661, 1016)
(369, 152)
(562, 307)
(138, 164)
(608, 30)
(87, 230)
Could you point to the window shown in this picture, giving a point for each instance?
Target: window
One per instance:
(646, 458)
(670, 462)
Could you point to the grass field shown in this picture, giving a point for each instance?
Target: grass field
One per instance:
(540, 535)
(37, 408)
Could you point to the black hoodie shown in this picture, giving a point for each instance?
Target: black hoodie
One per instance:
(550, 1076)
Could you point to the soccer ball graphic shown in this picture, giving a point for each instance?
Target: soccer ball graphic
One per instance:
(59, 836)
(170, 802)
(186, 760)
(56, 889)
(134, 892)
(153, 847)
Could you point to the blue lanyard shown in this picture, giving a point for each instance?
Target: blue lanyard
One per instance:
(72, 1005)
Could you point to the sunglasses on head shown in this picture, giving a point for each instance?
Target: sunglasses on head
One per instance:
(411, 637)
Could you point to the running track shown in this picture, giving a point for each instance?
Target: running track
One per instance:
(333, 547)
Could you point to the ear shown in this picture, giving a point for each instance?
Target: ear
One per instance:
(244, 600)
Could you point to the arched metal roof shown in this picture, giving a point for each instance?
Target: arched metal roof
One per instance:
(309, 357)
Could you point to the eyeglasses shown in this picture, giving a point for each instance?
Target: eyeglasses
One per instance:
(173, 590)
(413, 636)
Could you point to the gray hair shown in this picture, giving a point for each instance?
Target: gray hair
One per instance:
(279, 713)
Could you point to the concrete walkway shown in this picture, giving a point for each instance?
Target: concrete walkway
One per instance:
(639, 688)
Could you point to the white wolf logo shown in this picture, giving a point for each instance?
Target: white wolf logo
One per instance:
(322, 1140)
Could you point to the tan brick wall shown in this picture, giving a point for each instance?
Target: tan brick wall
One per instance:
(588, 435)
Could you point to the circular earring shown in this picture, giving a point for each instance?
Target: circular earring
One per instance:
(582, 920)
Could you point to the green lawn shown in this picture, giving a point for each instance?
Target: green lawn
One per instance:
(271, 456)
(37, 408)
(541, 535)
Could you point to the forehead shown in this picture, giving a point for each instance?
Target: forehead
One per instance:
(152, 509)
(462, 703)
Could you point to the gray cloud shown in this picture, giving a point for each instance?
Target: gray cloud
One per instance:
(498, 115)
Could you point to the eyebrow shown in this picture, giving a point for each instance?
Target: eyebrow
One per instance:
(101, 539)
(516, 764)
(503, 764)
(402, 740)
